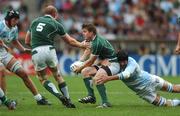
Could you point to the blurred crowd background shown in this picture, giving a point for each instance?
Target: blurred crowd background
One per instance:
(140, 26)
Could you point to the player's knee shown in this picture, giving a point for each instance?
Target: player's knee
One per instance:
(85, 72)
(42, 77)
(95, 80)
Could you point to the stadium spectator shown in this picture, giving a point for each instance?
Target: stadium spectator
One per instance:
(41, 35)
(9, 34)
(177, 49)
(151, 19)
(163, 50)
(144, 84)
(143, 50)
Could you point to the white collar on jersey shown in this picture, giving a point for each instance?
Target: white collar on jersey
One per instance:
(49, 16)
(94, 37)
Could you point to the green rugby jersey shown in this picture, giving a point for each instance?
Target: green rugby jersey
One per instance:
(103, 49)
(44, 30)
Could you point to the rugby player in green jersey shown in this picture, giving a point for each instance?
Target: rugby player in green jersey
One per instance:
(43, 30)
(102, 52)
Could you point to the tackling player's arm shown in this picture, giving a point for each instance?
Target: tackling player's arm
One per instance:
(120, 76)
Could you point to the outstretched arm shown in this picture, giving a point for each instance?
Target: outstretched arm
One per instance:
(105, 79)
(121, 76)
(70, 40)
(28, 38)
(19, 46)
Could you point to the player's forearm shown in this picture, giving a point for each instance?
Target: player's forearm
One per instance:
(85, 55)
(27, 39)
(87, 63)
(111, 78)
(18, 45)
(124, 75)
(75, 43)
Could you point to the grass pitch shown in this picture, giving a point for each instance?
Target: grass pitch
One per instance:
(124, 101)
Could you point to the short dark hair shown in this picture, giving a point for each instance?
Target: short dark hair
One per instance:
(11, 14)
(122, 55)
(90, 27)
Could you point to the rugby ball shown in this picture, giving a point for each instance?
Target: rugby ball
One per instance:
(76, 65)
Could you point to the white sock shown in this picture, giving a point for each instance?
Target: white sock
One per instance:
(1, 93)
(175, 102)
(38, 97)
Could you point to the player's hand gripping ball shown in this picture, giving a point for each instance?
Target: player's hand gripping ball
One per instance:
(76, 65)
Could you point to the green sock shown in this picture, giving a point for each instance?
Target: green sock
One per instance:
(3, 99)
(89, 86)
(51, 88)
(102, 91)
(64, 89)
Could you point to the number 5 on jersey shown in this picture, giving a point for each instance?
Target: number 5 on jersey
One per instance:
(40, 27)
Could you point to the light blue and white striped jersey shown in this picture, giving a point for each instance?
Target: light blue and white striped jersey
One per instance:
(135, 78)
(7, 34)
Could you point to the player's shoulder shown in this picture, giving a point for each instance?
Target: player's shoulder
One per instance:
(131, 60)
(59, 23)
(2, 24)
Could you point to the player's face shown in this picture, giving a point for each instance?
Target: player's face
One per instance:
(14, 22)
(56, 15)
(87, 35)
(123, 64)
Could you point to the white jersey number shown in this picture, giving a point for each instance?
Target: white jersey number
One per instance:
(40, 27)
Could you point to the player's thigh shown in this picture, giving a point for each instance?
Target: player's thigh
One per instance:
(38, 60)
(11, 63)
(159, 83)
(109, 70)
(52, 60)
(99, 74)
(6, 59)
